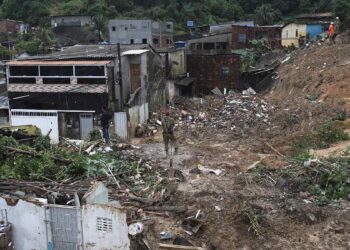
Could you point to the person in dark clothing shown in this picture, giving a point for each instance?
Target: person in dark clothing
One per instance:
(105, 118)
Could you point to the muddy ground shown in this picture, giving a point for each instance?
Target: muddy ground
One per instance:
(226, 201)
(248, 205)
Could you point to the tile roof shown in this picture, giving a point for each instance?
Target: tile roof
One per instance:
(57, 63)
(58, 88)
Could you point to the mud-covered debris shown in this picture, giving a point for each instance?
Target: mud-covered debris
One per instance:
(164, 235)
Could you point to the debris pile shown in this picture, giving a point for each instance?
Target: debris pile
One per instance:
(57, 170)
(235, 114)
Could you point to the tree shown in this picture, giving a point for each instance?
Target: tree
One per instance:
(99, 25)
(341, 8)
(266, 14)
(45, 38)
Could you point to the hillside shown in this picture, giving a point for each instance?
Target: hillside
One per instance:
(201, 11)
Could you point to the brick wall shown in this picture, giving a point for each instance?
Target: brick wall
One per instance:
(273, 34)
(208, 71)
(8, 26)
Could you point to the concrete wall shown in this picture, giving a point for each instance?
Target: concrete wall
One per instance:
(125, 31)
(115, 233)
(28, 224)
(177, 60)
(66, 21)
(208, 71)
(122, 31)
(289, 34)
(192, 46)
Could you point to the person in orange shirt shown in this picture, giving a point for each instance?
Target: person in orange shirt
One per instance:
(331, 32)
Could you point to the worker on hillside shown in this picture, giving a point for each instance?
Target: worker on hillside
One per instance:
(331, 32)
(168, 125)
(105, 119)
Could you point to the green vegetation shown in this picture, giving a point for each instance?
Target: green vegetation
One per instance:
(37, 12)
(323, 137)
(43, 161)
(326, 179)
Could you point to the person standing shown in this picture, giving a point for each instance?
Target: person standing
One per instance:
(168, 125)
(331, 32)
(105, 119)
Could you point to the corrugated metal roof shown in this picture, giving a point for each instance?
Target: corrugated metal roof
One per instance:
(135, 52)
(58, 88)
(57, 63)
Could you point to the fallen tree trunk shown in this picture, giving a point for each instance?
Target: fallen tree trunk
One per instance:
(177, 209)
(35, 154)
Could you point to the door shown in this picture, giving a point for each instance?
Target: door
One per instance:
(86, 125)
(64, 228)
(135, 77)
(121, 124)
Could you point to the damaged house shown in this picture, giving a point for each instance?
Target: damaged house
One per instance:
(63, 93)
(89, 221)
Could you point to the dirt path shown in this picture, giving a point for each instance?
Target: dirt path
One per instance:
(241, 210)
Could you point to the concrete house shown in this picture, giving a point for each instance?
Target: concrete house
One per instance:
(243, 35)
(159, 34)
(95, 224)
(178, 83)
(305, 28)
(63, 93)
(70, 21)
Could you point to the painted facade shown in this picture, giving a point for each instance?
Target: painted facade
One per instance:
(292, 33)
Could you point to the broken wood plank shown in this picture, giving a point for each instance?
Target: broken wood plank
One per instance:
(179, 247)
(178, 209)
(274, 150)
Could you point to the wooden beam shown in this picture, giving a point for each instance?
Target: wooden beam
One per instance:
(179, 247)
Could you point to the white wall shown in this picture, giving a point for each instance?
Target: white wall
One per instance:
(43, 119)
(28, 226)
(114, 237)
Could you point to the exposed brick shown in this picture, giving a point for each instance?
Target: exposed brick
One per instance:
(8, 26)
(273, 35)
(208, 72)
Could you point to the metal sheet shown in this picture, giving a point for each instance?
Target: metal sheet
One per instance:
(121, 124)
(65, 225)
(86, 125)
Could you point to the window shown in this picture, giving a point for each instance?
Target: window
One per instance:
(144, 40)
(208, 46)
(242, 38)
(104, 225)
(225, 72)
(113, 28)
(131, 41)
(155, 40)
(296, 33)
(286, 33)
(126, 28)
(168, 41)
(168, 26)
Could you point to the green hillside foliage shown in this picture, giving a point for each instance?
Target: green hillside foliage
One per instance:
(37, 12)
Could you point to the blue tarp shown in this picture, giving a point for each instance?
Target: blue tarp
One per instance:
(314, 30)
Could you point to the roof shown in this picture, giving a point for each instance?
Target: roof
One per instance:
(316, 15)
(57, 63)
(134, 52)
(185, 81)
(71, 15)
(58, 88)
(109, 51)
(4, 102)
